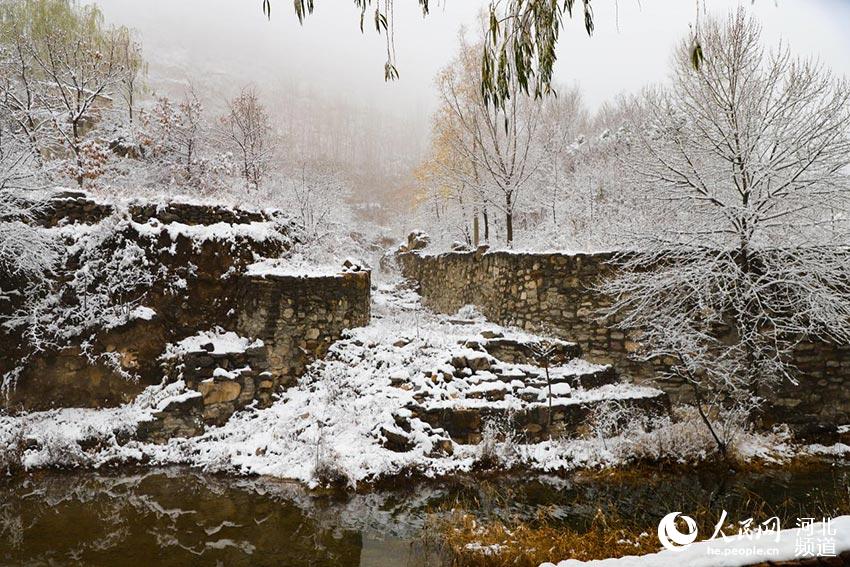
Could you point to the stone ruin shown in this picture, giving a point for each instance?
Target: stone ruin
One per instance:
(286, 318)
(284, 323)
(555, 293)
(501, 380)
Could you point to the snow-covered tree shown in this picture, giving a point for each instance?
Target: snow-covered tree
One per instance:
(177, 138)
(501, 145)
(316, 197)
(745, 165)
(246, 132)
(25, 253)
(77, 68)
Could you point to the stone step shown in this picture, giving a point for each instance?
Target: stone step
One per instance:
(464, 418)
(593, 376)
(531, 351)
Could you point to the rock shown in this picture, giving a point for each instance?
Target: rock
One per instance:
(465, 420)
(442, 448)
(402, 422)
(179, 418)
(209, 347)
(492, 334)
(218, 392)
(814, 432)
(480, 362)
(401, 343)
(417, 240)
(396, 441)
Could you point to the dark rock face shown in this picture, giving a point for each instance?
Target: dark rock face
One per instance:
(207, 273)
(554, 294)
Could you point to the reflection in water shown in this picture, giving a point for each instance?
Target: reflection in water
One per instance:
(176, 516)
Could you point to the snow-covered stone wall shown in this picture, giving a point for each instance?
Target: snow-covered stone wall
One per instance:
(68, 207)
(554, 293)
(299, 315)
(198, 272)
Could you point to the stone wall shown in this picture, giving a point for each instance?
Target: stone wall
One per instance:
(299, 317)
(227, 381)
(192, 213)
(536, 292)
(68, 207)
(554, 293)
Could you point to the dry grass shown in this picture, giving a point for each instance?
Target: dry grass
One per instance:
(467, 536)
(463, 541)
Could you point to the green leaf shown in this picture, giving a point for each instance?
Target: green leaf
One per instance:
(697, 56)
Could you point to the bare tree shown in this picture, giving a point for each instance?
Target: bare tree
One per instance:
(77, 68)
(317, 195)
(745, 163)
(247, 130)
(500, 144)
(134, 68)
(174, 134)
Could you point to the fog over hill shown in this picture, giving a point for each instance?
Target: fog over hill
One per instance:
(324, 80)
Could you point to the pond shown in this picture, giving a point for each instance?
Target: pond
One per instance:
(180, 516)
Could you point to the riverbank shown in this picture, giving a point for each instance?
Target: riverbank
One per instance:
(371, 412)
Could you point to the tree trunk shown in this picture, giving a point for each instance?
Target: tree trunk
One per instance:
(509, 218)
(76, 150)
(486, 226)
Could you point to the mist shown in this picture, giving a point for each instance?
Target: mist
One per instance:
(324, 79)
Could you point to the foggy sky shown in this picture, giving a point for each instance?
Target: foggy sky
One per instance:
(228, 43)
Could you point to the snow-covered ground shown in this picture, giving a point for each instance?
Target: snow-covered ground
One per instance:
(332, 424)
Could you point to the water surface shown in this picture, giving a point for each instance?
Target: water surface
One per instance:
(179, 516)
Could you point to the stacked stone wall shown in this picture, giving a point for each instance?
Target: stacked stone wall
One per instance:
(298, 318)
(69, 207)
(555, 293)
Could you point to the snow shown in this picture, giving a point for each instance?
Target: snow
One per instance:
(836, 450)
(223, 342)
(255, 231)
(52, 438)
(142, 312)
(292, 268)
(733, 551)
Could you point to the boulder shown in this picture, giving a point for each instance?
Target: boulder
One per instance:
(417, 240)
